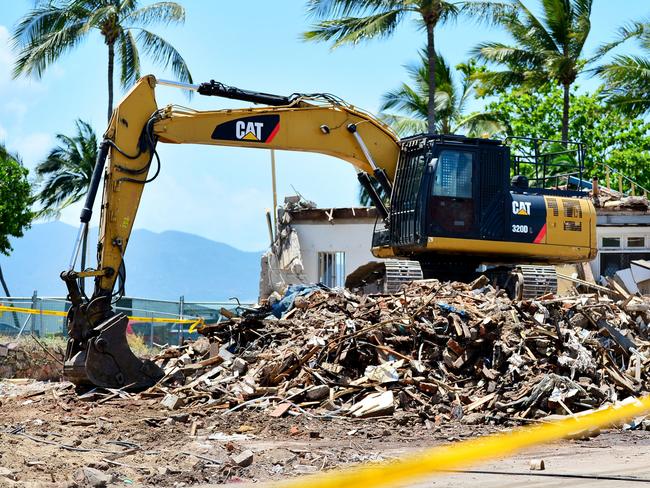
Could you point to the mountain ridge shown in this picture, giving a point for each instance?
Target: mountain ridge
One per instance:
(160, 265)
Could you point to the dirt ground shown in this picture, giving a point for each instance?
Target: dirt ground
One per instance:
(51, 437)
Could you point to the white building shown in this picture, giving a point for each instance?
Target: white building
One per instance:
(623, 236)
(316, 245)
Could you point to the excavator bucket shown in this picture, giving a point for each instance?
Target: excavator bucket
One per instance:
(107, 360)
(98, 353)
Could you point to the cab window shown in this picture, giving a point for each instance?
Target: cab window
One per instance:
(453, 174)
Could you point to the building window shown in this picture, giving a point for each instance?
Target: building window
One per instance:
(611, 242)
(636, 242)
(611, 262)
(331, 269)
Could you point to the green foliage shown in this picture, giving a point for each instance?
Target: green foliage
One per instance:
(54, 27)
(65, 173)
(610, 135)
(453, 90)
(353, 21)
(15, 199)
(627, 77)
(548, 47)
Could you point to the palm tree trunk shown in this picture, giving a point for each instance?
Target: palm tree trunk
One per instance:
(111, 64)
(431, 105)
(8, 295)
(565, 114)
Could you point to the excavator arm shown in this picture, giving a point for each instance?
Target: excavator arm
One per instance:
(97, 351)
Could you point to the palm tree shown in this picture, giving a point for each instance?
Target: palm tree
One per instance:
(66, 171)
(65, 175)
(546, 48)
(450, 101)
(54, 27)
(627, 77)
(352, 21)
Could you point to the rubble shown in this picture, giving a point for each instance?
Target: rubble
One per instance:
(609, 199)
(443, 351)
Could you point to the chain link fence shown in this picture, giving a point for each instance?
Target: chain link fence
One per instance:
(43, 323)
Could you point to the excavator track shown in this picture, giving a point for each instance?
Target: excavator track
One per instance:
(384, 276)
(534, 281)
(400, 272)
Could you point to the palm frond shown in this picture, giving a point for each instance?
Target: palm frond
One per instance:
(557, 15)
(480, 124)
(351, 30)
(405, 99)
(34, 58)
(487, 12)
(627, 83)
(499, 53)
(163, 53)
(581, 26)
(625, 33)
(128, 58)
(164, 12)
(96, 15)
(527, 28)
(346, 8)
(44, 34)
(492, 81)
(403, 125)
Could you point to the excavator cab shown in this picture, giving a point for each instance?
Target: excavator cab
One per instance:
(456, 205)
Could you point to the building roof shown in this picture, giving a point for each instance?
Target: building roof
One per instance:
(330, 214)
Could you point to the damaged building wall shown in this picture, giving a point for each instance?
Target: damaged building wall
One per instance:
(316, 245)
(622, 236)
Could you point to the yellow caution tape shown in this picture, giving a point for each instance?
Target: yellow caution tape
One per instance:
(196, 323)
(462, 454)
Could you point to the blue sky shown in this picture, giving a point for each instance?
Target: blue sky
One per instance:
(222, 193)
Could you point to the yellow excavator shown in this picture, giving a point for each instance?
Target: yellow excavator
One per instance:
(447, 205)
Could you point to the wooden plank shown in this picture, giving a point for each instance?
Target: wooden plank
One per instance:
(603, 289)
(477, 403)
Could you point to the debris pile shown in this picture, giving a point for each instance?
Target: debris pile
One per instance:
(608, 199)
(444, 351)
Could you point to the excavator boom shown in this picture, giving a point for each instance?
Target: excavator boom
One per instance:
(309, 123)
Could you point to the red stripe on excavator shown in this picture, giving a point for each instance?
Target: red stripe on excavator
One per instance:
(272, 134)
(541, 235)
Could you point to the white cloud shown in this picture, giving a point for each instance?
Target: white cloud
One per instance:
(32, 148)
(3, 135)
(15, 109)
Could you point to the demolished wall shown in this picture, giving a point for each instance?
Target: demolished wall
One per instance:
(27, 359)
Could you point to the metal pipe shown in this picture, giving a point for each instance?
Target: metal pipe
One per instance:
(275, 192)
(87, 210)
(178, 84)
(353, 130)
(77, 245)
(270, 226)
(379, 173)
